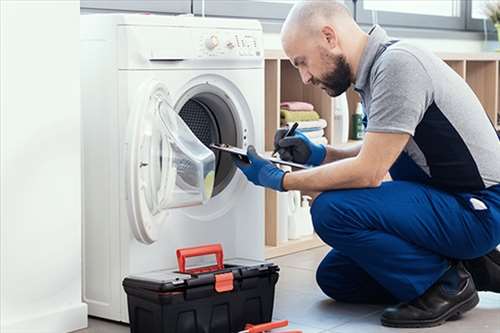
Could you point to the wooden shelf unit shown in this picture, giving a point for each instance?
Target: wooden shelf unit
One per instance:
(283, 82)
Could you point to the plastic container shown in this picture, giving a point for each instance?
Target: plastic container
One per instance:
(283, 211)
(294, 227)
(340, 119)
(215, 299)
(304, 216)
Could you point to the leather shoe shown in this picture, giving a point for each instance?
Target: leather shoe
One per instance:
(485, 271)
(453, 294)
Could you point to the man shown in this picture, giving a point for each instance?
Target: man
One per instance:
(409, 239)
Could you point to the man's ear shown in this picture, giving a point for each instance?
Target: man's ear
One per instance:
(329, 36)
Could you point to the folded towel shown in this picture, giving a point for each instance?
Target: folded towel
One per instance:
(314, 134)
(289, 116)
(320, 141)
(320, 123)
(297, 106)
(310, 129)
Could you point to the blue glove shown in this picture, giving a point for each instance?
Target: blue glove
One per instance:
(260, 171)
(298, 148)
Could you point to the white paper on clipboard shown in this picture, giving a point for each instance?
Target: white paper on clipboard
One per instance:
(242, 155)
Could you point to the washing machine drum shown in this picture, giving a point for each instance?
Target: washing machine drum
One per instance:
(168, 166)
(211, 119)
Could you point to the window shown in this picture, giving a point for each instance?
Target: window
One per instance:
(421, 7)
(442, 14)
(477, 20)
(414, 17)
(478, 6)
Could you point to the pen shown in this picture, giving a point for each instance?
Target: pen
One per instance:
(290, 132)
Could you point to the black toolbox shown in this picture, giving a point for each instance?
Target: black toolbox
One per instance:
(218, 299)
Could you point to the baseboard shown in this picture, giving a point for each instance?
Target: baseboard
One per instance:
(61, 321)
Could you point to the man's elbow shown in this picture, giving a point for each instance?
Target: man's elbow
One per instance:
(373, 180)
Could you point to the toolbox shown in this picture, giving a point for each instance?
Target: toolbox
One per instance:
(221, 298)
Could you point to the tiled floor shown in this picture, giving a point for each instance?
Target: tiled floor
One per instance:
(299, 300)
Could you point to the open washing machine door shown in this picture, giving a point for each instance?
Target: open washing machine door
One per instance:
(167, 166)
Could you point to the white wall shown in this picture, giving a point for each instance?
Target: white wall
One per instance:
(40, 228)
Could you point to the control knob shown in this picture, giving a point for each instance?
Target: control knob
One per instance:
(212, 42)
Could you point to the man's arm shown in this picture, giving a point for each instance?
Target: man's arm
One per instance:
(366, 169)
(335, 154)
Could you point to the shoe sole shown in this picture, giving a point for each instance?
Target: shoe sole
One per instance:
(452, 313)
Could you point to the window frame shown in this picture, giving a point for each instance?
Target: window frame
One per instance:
(150, 6)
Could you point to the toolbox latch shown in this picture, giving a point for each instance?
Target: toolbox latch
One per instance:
(224, 282)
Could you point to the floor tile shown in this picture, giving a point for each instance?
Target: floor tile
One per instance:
(97, 325)
(317, 311)
(485, 318)
(309, 259)
(298, 279)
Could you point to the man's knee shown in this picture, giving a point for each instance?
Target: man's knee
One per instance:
(331, 215)
(331, 283)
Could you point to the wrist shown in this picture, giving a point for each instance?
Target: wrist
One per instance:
(285, 181)
(317, 155)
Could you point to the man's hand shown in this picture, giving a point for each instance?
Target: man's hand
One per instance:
(298, 148)
(260, 171)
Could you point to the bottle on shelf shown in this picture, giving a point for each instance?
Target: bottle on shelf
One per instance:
(340, 119)
(305, 218)
(294, 222)
(357, 123)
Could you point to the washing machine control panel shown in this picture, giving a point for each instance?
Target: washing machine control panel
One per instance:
(229, 44)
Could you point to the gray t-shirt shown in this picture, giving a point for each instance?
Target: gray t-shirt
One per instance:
(405, 89)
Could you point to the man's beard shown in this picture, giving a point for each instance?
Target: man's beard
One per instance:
(338, 80)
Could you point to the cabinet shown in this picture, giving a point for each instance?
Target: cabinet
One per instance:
(282, 82)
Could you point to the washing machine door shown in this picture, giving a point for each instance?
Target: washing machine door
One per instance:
(167, 166)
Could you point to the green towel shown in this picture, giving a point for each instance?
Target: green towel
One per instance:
(289, 116)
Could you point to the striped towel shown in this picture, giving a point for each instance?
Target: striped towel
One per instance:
(320, 123)
(314, 134)
(289, 116)
(320, 141)
(297, 106)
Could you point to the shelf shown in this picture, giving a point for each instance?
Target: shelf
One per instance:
(482, 77)
(293, 246)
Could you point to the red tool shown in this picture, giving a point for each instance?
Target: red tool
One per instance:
(267, 327)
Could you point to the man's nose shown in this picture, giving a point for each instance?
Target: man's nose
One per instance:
(305, 75)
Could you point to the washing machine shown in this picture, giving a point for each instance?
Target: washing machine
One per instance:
(148, 83)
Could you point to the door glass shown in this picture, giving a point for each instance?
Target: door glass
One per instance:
(177, 170)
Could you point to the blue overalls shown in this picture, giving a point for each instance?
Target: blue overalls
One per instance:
(393, 242)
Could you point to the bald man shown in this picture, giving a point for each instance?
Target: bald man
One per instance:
(427, 239)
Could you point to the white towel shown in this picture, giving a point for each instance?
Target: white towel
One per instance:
(321, 123)
(314, 134)
(320, 141)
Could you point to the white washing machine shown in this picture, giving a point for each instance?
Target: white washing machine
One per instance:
(141, 73)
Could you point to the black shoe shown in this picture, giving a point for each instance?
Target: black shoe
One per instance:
(438, 304)
(485, 271)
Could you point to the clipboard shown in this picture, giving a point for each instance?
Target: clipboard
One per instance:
(241, 154)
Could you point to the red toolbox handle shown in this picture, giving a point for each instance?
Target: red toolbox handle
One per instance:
(198, 251)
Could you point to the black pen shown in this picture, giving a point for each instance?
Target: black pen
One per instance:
(290, 132)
